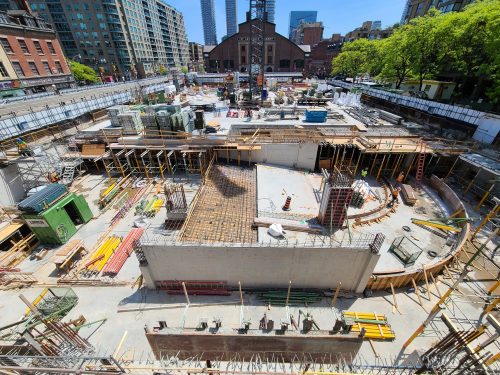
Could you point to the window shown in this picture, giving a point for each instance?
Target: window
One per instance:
(420, 9)
(299, 63)
(51, 48)
(228, 64)
(243, 59)
(3, 71)
(23, 46)
(59, 67)
(427, 87)
(284, 63)
(270, 48)
(243, 48)
(269, 59)
(33, 68)
(6, 45)
(38, 47)
(17, 67)
(46, 66)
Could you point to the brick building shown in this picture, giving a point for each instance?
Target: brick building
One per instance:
(309, 33)
(34, 52)
(319, 62)
(196, 62)
(233, 54)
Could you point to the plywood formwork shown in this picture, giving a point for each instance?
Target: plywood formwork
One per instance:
(225, 207)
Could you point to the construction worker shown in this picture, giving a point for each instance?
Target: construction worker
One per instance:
(395, 193)
(400, 179)
(22, 147)
(364, 173)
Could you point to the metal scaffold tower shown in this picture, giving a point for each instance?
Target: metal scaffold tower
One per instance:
(258, 18)
(57, 157)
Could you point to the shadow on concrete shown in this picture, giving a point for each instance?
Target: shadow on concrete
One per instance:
(225, 185)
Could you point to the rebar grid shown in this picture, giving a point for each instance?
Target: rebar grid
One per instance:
(225, 208)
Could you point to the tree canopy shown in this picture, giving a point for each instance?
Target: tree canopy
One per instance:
(83, 73)
(460, 46)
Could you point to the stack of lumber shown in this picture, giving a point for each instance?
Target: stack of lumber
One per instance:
(376, 325)
(64, 256)
(408, 195)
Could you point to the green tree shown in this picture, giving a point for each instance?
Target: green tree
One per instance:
(359, 56)
(396, 53)
(184, 69)
(476, 37)
(428, 44)
(83, 73)
(163, 70)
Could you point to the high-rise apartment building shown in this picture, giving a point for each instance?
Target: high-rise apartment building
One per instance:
(270, 9)
(231, 18)
(377, 25)
(300, 16)
(368, 31)
(417, 8)
(122, 38)
(196, 61)
(208, 20)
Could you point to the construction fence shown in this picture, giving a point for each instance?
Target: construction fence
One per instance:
(17, 125)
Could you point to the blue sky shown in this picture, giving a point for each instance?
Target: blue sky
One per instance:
(338, 16)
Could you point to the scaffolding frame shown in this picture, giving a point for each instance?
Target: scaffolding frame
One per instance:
(465, 341)
(258, 18)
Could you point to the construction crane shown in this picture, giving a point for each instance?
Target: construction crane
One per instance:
(258, 18)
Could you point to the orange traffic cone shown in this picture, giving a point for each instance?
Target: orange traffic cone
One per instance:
(286, 207)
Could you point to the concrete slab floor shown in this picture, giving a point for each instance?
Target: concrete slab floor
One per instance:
(104, 302)
(275, 183)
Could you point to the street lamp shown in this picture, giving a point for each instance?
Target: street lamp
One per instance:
(77, 55)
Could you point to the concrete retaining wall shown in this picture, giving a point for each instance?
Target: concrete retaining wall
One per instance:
(208, 346)
(11, 186)
(261, 267)
(299, 156)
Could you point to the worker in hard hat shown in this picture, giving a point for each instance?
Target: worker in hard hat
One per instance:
(22, 147)
(364, 173)
(395, 193)
(400, 179)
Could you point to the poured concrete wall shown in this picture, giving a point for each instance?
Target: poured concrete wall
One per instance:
(11, 186)
(261, 267)
(208, 346)
(299, 156)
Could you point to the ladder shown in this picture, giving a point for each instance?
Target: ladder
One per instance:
(69, 173)
(420, 167)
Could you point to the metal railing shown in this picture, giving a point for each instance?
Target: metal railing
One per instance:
(455, 112)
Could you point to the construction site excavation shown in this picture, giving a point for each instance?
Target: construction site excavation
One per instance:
(282, 226)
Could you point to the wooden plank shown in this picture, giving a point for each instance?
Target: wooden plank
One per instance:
(288, 224)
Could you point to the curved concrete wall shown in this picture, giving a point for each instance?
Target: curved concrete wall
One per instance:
(383, 281)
